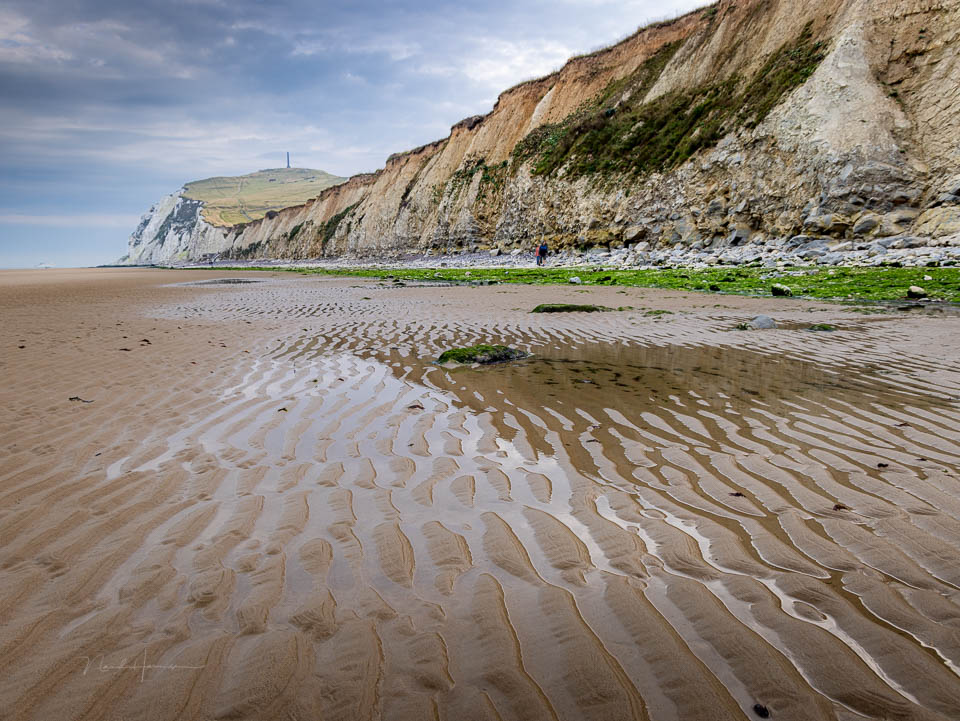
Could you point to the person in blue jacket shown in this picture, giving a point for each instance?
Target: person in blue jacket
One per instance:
(542, 252)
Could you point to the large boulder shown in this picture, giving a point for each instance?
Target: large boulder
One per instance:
(813, 248)
(897, 222)
(938, 222)
(827, 223)
(763, 322)
(738, 236)
(865, 224)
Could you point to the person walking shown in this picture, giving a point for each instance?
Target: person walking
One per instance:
(542, 252)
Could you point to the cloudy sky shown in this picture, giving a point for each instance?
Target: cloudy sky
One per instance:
(107, 105)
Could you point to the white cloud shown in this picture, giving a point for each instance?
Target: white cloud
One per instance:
(87, 220)
(262, 27)
(501, 63)
(393, 48)
(306, 48)
(189, 148)
(496, 64)
(19, 45)
(106, 47)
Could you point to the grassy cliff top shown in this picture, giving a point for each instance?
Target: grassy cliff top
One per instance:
(240, 199)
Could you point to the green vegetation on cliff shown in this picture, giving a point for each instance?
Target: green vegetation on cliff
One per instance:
(329, 227)
(240, 199)
(618, 132)
(491, 177)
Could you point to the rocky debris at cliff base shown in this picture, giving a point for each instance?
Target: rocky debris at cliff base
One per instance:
(903, 250)
(887, 251)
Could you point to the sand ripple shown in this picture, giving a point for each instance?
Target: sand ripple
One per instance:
(278, 508)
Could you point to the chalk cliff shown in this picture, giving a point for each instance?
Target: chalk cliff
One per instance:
(817, 124)
(196, 219)
(173, 230)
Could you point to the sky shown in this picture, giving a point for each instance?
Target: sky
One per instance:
(108, 105)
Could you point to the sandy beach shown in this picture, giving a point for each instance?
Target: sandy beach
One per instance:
(262, 500)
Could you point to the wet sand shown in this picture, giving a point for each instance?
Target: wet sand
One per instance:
(274, 506)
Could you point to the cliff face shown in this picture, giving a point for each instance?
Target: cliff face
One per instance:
(173, 230)
(752, 121)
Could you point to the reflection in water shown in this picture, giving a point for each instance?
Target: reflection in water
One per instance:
(614, 500)
(223, 281)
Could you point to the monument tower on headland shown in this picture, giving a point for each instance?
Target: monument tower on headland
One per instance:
(288, 158)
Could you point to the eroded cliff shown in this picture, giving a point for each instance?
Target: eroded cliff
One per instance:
(761, 122)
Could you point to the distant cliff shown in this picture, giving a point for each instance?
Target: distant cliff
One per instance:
(197, 219)
(747, 122)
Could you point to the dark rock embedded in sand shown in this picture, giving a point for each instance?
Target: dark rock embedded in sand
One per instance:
(483, 354)
(568, 308)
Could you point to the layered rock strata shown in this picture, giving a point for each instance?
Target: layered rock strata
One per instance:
(827, 125)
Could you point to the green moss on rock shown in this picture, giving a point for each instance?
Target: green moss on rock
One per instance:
(568, 308)
(483, 354)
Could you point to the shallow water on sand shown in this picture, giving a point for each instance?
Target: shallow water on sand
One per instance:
(660, 519)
